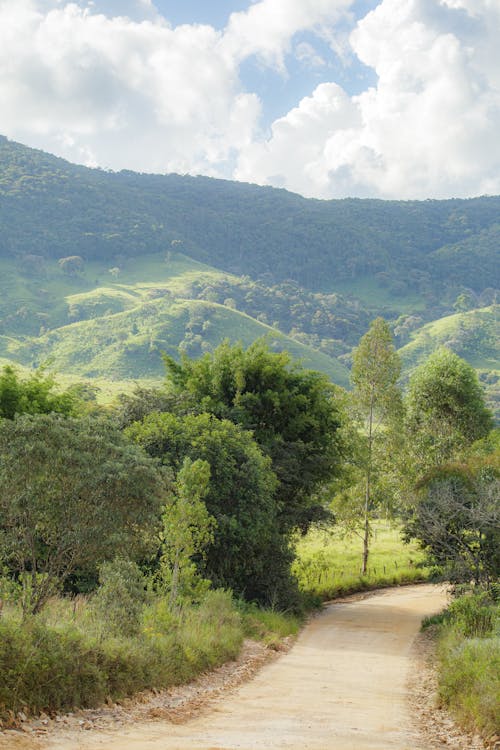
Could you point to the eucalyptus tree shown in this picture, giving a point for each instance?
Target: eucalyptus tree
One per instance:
(377, 407)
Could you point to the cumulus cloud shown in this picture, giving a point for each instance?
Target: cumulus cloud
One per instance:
(267, 28)
(118, 92)
(428, 129)
(112, 83)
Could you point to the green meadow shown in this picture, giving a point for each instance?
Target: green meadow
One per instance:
(329, 561)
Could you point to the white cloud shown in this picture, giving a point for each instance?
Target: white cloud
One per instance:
(129, 94)
(428, 129)
(111, 82)
(267, 28)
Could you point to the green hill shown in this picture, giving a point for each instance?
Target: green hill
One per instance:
(52, 208)
(100, 272)
(118, 330)
(473, 335)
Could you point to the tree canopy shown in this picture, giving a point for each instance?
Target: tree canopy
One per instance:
(72, 493)
(35, 394)
(240, 495)
(293, 414)
(446, 410)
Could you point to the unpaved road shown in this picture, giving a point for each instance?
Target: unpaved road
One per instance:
(341, 687)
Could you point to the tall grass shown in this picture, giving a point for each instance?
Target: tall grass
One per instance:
(469, 662)
(329, 563)
(51, 666)
(68, 656)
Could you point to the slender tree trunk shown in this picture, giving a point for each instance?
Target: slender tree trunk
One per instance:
(175, 581)
(366, 536)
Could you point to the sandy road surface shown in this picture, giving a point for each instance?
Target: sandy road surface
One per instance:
(341, 687)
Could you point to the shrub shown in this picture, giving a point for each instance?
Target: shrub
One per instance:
(120, 597)
(470, 681)
(469, 661)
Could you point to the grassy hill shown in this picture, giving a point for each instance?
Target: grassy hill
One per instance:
(473, 335)
(100, 272)
(97, 324)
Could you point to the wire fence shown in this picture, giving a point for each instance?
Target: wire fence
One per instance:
(312, 574)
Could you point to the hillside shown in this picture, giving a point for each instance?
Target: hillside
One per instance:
(98, 324)
(102, 271)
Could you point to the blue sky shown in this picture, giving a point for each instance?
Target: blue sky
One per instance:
(327, 98)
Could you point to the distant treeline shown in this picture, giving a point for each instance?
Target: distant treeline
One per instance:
(53, 208)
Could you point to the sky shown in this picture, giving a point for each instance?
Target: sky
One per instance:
(395, 99)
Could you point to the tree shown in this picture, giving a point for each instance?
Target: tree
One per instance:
(457, 518)
(188, 529)
(446, 410)
(245, 554)
(293, 414)
(377, 403)
(35, 394)
(72, 493)
(72, 265)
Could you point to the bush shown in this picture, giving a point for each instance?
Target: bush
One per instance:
(469, 661)
(473, 615)
(470, 681)
(48, 668)
(120, 597)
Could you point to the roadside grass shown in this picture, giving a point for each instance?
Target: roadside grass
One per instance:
(67, 657)
(329, 562)
(266, 625)
(469, 662)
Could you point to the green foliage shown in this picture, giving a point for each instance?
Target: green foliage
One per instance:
(120, 598)
(240, 496)
(188, 529)
(72, 493)
(54, 668)
(294, 415)
(469, 662)
(34, 395)
(474, 615)
(376, 401)
(268, 626)
(446, 410)
(457, 518)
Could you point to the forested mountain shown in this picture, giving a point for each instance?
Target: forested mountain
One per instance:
(129, 264)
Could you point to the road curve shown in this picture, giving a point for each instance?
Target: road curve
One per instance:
(341, 687)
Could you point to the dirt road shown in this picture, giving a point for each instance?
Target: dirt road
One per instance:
(341, 687)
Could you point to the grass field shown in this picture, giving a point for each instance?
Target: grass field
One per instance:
(329, 562)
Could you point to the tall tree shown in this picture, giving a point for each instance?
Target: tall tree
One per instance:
(377, 403)
(187, 530)
(446, 409)
(293, 413)
(239, 496)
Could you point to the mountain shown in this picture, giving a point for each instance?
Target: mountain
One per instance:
(101, 271)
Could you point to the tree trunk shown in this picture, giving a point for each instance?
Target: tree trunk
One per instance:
(366, 536)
